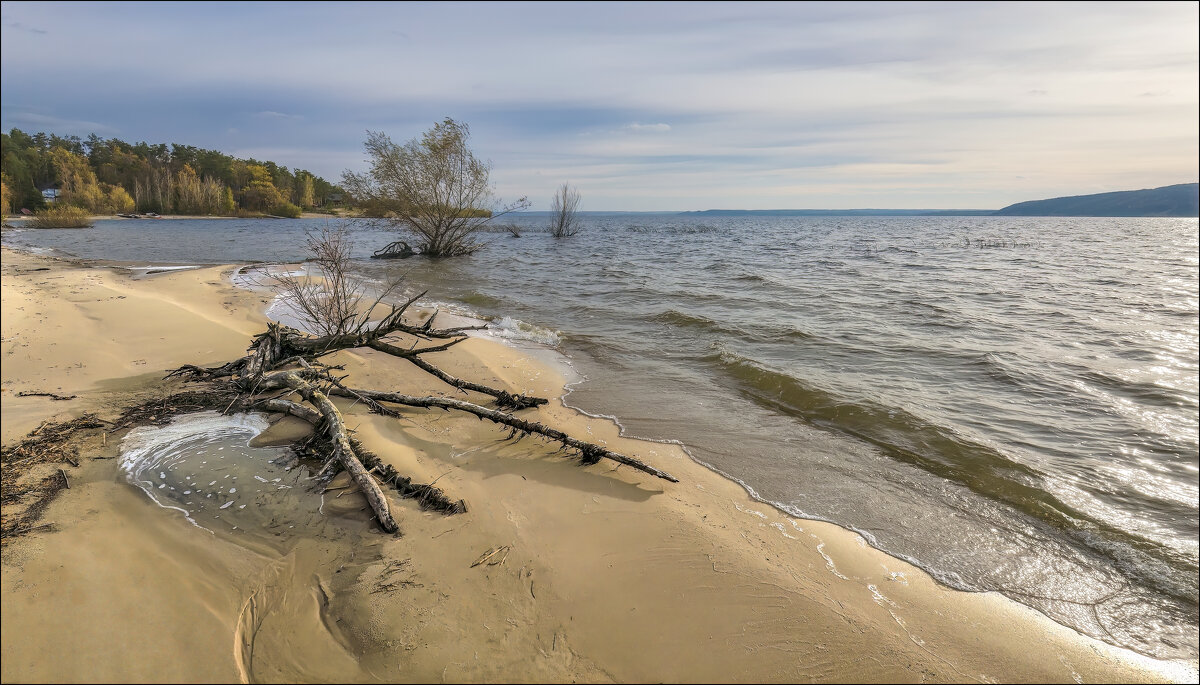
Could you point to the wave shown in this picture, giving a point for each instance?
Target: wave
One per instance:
(905, 437)
(509, 328)
(478, 299)
(983, 470)
(756, 332)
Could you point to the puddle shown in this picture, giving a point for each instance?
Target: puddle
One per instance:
(202, 465)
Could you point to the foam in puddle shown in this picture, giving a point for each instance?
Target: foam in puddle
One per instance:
(168, 464)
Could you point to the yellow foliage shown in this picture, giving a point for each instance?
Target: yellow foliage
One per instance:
(62, 216)
(5, 196)
(119, 201)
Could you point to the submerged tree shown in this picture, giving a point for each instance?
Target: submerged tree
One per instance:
(432, 187)
(564, 212)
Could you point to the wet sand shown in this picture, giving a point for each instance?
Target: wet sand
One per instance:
(612, 575)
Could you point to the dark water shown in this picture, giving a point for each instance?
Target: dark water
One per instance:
(1011, 403)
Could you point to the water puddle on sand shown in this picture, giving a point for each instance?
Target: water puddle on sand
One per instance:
(294, 607)
(203, 466)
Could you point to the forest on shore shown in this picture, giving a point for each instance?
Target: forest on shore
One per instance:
(111, 176)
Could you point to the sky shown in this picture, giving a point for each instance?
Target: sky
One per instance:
(645, 106)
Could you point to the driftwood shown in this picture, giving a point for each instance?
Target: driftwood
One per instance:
(265, 369)
(590, 452)
(60, 398)
(343, 452)
(396, 250)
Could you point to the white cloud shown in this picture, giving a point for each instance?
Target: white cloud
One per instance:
(635, 127)
(268, 114)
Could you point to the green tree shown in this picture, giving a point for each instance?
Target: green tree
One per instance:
(432, 187)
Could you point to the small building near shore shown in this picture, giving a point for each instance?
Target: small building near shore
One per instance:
(51, 195)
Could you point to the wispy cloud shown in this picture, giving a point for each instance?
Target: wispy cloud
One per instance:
(59, 125)
(268, 114)
(646, 128)
(21, 27)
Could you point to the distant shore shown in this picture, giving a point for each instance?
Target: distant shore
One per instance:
(611, 576)
(113, 217)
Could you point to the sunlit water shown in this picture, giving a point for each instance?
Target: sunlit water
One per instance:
(1011, 403)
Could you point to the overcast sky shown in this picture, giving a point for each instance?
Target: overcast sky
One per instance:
(644, 106)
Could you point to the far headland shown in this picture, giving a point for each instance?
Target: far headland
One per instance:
(1181, 200)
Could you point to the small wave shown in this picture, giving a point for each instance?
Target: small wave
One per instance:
(695, 229)
(515, 329)
(901, 435)
(757, 332)
(751, 278)
(478, 299)
(1143, 392)
(675, 317)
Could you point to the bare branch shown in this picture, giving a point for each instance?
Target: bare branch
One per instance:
(564, 212)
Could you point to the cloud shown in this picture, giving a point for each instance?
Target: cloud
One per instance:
(60, 125)
(268, 114)
(21, 27)
(635, 127)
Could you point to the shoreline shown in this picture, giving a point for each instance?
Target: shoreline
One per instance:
(184, 217)
(706, 585)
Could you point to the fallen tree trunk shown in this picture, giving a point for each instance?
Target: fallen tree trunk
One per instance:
(590, 452)
(343, 452)
(428, 496)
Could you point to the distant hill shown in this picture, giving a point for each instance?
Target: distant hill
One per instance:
(842, 212)
(1176, 200)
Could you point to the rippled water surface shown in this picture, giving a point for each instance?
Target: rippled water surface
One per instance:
(1011, 403)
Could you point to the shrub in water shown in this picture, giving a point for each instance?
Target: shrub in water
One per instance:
(64, 216)
(287, 209)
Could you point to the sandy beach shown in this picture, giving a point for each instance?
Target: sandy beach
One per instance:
(612, 575)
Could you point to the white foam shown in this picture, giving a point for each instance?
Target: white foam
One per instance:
(509, 328)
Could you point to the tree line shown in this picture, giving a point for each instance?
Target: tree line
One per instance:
(111, 176)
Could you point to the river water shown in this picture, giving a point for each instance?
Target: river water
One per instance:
(1008, 402)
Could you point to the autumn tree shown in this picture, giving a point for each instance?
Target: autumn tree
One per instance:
(79, 187)
(260, 193)
(304, 190)
(432, 187)
(6, 196)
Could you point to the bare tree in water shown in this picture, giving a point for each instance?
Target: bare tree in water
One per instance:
(564, 212)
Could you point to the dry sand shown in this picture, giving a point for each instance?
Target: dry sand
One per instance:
(612, 575)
